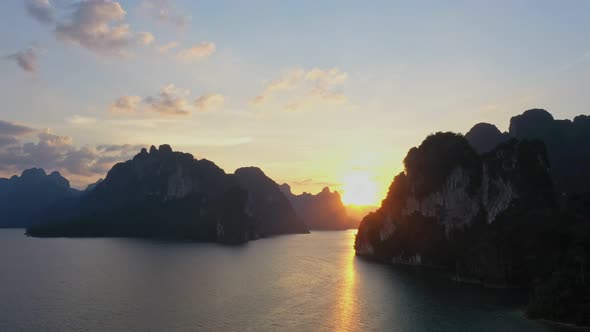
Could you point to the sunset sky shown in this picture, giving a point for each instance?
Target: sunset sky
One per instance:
(316, 93)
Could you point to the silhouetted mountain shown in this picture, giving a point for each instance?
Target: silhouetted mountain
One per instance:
(93, 185)
(166, 194)
(323, 211)
(267, 204)
(22, 197)
(489, 218)
(484, 137)
(568, 144)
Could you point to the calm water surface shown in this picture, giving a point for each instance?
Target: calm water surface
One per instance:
(290, 283)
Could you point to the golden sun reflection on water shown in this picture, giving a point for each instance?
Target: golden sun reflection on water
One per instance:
(345, 309)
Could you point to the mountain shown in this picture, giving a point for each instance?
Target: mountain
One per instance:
(322, 211)
(568, 144)
(172, 195)
(268, 204)
(484, 137)
(93, 185)
(490, 218)
(22, 197)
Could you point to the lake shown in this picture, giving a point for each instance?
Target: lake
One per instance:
(310, 282)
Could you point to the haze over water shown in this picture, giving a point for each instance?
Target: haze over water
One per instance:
(287, 283)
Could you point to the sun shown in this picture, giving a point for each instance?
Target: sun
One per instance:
(359, 189)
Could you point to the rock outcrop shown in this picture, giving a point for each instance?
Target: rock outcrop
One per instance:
(484, 137)
(22, 197)
(322, 211)
(567, 142)
(447, 188)
(167, 194)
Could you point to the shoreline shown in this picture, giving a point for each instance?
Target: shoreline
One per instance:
(560, 324)
(470, 281)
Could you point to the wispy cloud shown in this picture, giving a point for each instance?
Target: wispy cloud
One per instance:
(167, 47)
(164, 11)
(40, 10)
(26, 59)
(306, 88)
(171, 100)
(209, 101)
(196, 52)
(14, 129)
(80, 120)
(145, 38)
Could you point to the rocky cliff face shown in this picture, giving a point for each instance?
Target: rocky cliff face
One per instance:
(492, 217)
(167, 194)
(322, 211)
(267, 203)
(22, 197)
(448, 190)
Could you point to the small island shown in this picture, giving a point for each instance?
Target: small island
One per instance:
(171, 195)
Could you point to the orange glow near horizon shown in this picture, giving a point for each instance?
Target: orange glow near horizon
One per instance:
(359, 189)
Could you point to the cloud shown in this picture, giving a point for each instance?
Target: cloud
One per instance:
(99, 26)
(7, 141)
(196, 52)
(13, 129)
(26, 60)
(167, 47)
(145, 38)
(80, 120)
(209, 101)
(125, 104)
(164, 11)
(55, 152)
(169, 101)
(306, 88)
(288, 81)
(40, 10)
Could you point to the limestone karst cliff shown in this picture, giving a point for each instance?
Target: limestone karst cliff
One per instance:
(447, 187)
(167, 194)
(322, 211)
(490, 218)
(267, 203)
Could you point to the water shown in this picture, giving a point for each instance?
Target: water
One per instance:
(290, 283)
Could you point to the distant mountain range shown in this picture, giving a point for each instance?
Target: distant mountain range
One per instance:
(172, 195)
(322, 211)
(162, 193)
(499, 209)
(22, 197)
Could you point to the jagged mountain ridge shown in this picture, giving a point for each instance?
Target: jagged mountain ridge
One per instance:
(167, 194)
(267, 201)
(567, 142)
(22, 197)
(322, 211)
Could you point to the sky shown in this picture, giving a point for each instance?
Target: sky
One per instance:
(315, 93)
